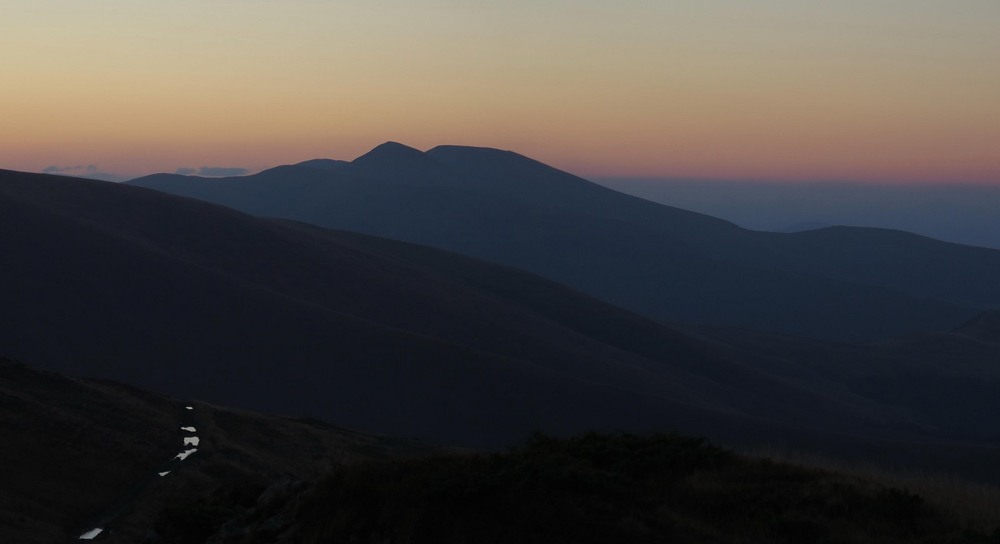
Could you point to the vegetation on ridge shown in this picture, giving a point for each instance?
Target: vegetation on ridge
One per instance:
(593, 488)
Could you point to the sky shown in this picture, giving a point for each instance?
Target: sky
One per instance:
(879, 90)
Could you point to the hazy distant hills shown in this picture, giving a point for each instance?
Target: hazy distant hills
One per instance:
(955, 212)
(667, 263)
(200, 301)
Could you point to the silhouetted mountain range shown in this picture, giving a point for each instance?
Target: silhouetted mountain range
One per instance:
(200, 301)
(666, 263)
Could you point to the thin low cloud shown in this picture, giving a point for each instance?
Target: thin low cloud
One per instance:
(72, 170)
(213, 171)
(89, 171)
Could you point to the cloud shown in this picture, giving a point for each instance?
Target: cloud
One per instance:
(78, 169)
(89, 171)
(212, 171)
(220, 171)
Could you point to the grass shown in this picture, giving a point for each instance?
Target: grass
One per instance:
(594, 489)
(974, 505)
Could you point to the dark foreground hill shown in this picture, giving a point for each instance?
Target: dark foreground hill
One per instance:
(663, 262)
(200, 301)
(594, 488)
(81, 454)
(78, 454)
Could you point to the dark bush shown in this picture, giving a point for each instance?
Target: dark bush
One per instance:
(593, 489)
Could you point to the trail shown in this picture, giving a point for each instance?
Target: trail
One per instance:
(103, 523)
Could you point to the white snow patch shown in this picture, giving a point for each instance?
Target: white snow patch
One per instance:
(189, 429)
(189, 407)
(184, 454)
(191, 440)
(164, 473)
(91, 534)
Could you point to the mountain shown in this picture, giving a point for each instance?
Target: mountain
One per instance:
(200, 301)
(841, 283)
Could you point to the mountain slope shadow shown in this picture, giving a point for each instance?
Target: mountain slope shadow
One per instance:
(200, 301)
(203, 302)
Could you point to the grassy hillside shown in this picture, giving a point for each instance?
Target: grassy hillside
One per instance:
(593, 488)
(199, 301)
(78, 454)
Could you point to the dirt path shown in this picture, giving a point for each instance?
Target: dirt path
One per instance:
(103, 523)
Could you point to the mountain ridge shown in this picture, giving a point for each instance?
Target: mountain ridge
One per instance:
(673, 265)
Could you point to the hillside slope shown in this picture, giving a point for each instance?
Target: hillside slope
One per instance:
(79, 454)
(200, 301)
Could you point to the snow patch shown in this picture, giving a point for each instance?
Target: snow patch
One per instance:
(91, 534)
(184, 454)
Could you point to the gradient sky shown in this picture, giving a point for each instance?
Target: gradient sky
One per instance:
(904, 90)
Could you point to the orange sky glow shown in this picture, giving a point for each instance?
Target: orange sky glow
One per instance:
(854, 90)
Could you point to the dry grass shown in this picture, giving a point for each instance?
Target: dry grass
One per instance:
(975, 504)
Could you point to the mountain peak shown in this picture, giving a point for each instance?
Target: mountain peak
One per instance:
(395, 160)
(328, 165)
(391, 151)
(466, 150)
(469, 155)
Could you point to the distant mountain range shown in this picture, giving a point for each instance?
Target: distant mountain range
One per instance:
(200, 301)
(838, 283)
(954, 212)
